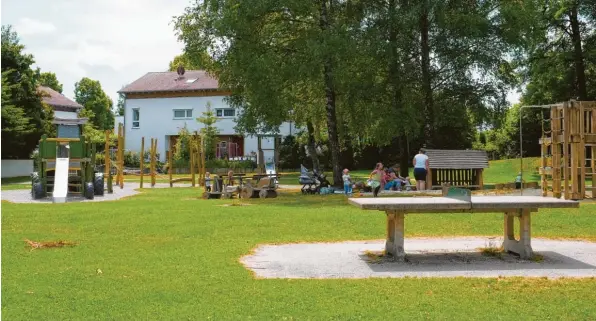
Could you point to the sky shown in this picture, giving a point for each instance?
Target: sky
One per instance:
(113, 41)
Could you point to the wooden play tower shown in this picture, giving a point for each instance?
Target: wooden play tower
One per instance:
(569, 150)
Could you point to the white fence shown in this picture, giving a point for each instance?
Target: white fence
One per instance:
(16, 167)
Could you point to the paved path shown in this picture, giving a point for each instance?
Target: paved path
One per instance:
(24, 195)
(427, 257)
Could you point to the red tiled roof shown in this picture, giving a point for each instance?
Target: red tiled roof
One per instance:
(192, 80)
(56, 99)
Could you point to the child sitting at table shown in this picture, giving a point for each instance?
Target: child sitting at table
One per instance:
(231, 178)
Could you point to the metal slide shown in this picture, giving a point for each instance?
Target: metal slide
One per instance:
(61, 175)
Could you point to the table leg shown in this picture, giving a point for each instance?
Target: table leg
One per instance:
(523, 247)
(394, 245)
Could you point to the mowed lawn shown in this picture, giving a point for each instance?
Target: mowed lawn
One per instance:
(167, 255)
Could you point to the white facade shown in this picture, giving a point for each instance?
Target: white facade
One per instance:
(16, 167)
(117, 121)
(65, 114)
(164, 117)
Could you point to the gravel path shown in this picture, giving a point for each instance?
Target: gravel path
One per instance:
(427, 257)
(24, 195)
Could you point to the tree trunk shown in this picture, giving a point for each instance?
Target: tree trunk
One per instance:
(578, 57)
(394, 72)
(404, 160)
(312, 150)
(347, 153)
(426, 77)
(330, 103)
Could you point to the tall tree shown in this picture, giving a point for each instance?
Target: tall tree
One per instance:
(49, 79)
(325, 22)
(89, 94)
(274, 57)
(197, 61)
(209, 132)
(24, 117)
(120, 104)
(559, 59)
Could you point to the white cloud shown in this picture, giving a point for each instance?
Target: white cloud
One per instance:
(112, 41)
(28, 26)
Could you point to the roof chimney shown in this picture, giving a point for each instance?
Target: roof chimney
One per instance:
(180, 71)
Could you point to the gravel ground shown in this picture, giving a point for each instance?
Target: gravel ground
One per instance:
(24, 196)
(427, 257)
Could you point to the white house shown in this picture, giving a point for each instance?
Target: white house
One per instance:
(117, 121)
(159, 104)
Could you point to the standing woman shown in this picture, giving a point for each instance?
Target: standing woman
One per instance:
(420, 169)
(375, 179)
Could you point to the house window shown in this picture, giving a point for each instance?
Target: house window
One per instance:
(182, 113)
(226, 112)
(135, 118)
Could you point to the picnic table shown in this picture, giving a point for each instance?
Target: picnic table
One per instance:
(458, 201)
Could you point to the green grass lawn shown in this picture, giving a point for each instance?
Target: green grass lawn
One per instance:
(11, 183)
(167, 255)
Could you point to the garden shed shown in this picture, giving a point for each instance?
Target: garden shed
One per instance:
(460, 168)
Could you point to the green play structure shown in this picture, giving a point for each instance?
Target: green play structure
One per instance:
(66, 164)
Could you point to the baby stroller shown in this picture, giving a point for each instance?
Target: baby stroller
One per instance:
(312, 183)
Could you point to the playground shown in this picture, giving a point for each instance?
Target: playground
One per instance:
(189, 255)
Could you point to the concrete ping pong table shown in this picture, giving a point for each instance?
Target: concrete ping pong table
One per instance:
(461, 201)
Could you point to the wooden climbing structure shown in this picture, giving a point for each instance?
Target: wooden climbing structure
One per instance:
(569, 150)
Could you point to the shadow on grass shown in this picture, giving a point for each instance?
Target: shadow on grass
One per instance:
(471, 261)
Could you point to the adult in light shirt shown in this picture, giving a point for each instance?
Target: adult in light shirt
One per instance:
(420, 169)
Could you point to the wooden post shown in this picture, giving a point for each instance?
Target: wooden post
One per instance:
(122, 158)
(543, 164)
(106, 153)
(480, 179)
(555, 117)
(573, 167)
(582, 151)
(153, 156)
(429, 179)
(170, 164)
(192, 162)
(260, 161)
(202, 157)
(142, 160)
(154, 163)
(566, 150)
(120, 155)
(199, 161)
(117, 158)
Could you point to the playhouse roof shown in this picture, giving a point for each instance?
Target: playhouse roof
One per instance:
(457, 159)
(56, 99)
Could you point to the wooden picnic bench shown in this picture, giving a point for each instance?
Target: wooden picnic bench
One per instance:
(519, 207)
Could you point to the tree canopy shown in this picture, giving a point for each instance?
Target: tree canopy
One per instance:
(49, 79)
(91, 96)
(24, 117)
(394, 74)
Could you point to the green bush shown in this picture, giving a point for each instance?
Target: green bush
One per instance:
(223, 163)
(132, 159)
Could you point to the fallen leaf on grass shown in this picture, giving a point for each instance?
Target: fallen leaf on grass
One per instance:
(39, 245)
